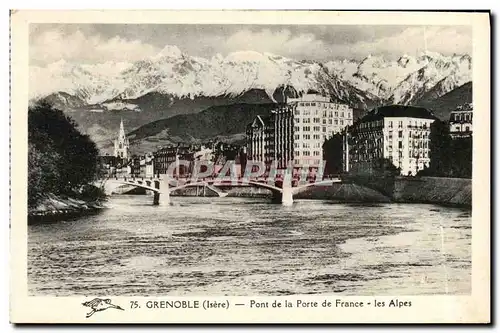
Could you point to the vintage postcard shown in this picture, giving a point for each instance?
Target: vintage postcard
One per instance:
(250, 167)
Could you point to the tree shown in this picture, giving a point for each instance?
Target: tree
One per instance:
(60, 158)
(461, 165)
(333, 154)
(448, 157)
(440, 148)
(384, 167)
(43, 175)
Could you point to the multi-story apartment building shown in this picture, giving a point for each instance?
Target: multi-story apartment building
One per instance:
(146, 165)
(133, 166)
(397, 133)
(461, 121)
(315, 119)
(296, 131)
(260, 139)
(164, 157)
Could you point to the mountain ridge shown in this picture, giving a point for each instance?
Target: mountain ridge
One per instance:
(443, 105)
(173, 83)
(178, 74)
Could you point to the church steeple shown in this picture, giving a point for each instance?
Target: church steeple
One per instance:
(122, 143)
(121, 134)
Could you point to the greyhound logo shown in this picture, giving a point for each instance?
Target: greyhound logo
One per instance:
(99, 304)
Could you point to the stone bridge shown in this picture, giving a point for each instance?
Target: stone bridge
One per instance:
(163, 186)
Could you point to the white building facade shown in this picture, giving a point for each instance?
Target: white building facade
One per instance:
(399, 134)
(315, 119)
(461, 121)
(296, 131)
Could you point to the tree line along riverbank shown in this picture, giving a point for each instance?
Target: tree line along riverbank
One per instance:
(62, 162)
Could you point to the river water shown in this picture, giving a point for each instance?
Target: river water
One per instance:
(243, 246)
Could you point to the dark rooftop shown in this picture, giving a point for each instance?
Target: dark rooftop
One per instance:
(398, 111)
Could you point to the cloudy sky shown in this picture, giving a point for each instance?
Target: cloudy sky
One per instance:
(97, 43)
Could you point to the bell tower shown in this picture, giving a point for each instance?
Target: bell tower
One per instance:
(122, 144)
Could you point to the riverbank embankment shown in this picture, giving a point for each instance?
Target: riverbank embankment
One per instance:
(57, 207)
(434, 190)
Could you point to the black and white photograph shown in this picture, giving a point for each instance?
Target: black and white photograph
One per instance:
(249, 160)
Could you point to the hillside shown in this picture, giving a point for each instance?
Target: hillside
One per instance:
(442, 106)
(101, 121)
(225, 122)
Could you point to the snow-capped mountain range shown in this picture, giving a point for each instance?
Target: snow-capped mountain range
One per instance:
(172, 83)
(359, 83)
(407, 79)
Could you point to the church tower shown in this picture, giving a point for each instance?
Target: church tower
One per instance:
(121, 144)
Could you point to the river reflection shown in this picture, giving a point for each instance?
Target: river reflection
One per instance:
(241, 246)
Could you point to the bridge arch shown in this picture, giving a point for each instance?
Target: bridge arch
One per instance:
(141, 184)
(216, 182)
(265, 185)
(163, 186)
(179, 187)
(301, 188)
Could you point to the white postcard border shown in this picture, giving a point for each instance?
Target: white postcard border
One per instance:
(425, 309)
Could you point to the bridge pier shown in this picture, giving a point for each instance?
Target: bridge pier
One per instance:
(162, 197)
(165, 192)
(287, 191)
(156, 195)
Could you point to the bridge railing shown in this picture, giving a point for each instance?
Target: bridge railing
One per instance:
(296, 180)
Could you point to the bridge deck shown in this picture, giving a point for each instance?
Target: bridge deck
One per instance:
(264, 183)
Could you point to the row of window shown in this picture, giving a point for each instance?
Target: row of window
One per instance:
(458, 128)
(308, 137)
(415, 155)
(415, 135)
(324, 104)
(315, 136)
(308, 153)
(421, 145)
(307, 145)
(329, 114)
(311, 162)
(414, 123)
(410, 160)
(336, 122)
(308, 129)
(463, 117)
(378, 123)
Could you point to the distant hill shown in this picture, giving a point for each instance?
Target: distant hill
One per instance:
(224, 122)
(63, 101)
(101, 121)
(442, 106)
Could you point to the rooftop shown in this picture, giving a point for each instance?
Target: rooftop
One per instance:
(311, 96)
(464, 107)
(260, 121)
(398, 111)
